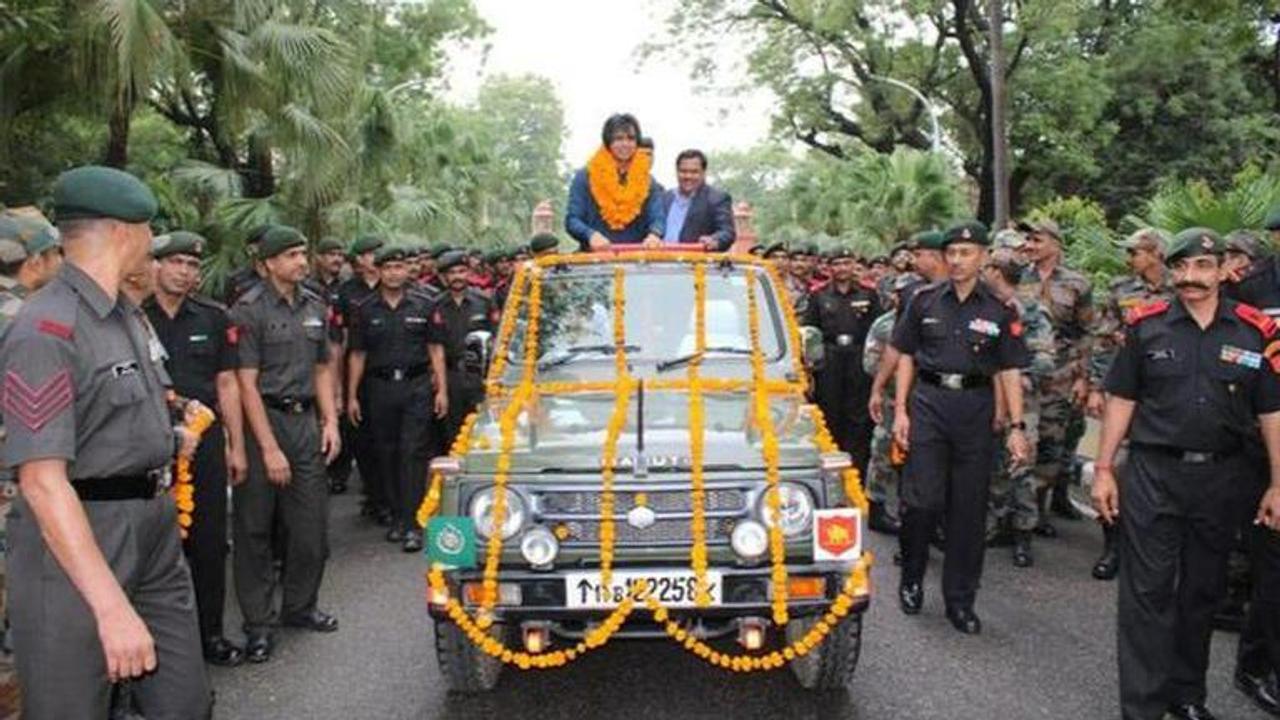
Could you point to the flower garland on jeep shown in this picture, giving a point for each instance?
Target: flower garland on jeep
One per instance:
(697, 442)
(619, 202)
(521, 397)
(769, 448)
(617, 420)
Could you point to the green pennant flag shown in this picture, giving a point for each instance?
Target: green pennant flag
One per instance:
(451, 541)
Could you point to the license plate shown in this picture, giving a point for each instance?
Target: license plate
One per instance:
(672, 588)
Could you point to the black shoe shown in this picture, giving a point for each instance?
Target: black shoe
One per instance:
(963, 619)
(257, 647)
(1192, 711)
(911, 597)
(1022, 557)
(395, 534)
(316, 620)
(1261, 689)
(1230, 616)
(881, 521)
(1045, 529)
(219, 651)
(1061, 505)
(412, 541)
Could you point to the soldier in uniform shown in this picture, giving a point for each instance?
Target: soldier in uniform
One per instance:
(284, 376)
(197, 336)
(326, 282)
(358, 442)
(884, 467)
(1067, 297)
(544, 244)
(1244, 247)
(1186, 387)
(251, 274)
(844, 312)
(1013, 491)
(1148, 282)
(955, 340)
(399, 359)
(99, 593)
(459, 311)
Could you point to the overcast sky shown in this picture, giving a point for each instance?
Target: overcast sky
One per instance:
(587, 49)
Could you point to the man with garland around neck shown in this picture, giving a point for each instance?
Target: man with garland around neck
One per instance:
(614, 199)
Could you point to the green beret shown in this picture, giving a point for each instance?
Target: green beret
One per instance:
(259, 232)
(328, 245)
(926, 240)
(366, 243)
(966, 232)
(756, 250)
(451, 259)
(178, 242)
(440, 249)
(1246, 242)
(544, 242)
(27, 233)
(880, 260)
(494, 257)
(1193, 242)
(841, 253)
(775, 247)
(1272, 222)
(807, 248)
(390, 253)
(279, 238)
(91, 192)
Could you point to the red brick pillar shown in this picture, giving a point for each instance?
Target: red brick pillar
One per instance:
(544, 218)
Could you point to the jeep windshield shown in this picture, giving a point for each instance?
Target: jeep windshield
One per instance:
(577, 319)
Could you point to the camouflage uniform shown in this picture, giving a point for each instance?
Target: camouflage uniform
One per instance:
(882, 475)
(1124, 293)
(1013, 491)
(1067, 298)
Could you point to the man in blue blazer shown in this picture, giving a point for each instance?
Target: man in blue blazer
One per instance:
(696, 212)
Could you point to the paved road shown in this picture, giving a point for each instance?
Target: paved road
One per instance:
(1047, 652)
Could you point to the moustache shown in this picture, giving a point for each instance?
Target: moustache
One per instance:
(1191, 284)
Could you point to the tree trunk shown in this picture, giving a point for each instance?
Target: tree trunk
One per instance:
(259, 170)
(117, 151)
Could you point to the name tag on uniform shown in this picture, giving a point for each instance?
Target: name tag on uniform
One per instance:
(312, 322)
(859, 304)
(477, 318)
(1239, 356)
(986, 327)
(411, 320)
(198, 338)
(375, 321)
(929, 321)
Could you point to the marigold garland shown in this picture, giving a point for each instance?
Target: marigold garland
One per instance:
(617, 420)
(199, 420)
(697, 442)
(519, 287)
(769, 448)
(619, 202)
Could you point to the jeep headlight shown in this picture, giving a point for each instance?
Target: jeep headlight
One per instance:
(796, 511)
(481, 513)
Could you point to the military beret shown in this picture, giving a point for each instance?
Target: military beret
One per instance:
(390, 253)
(279, 238)
(93, 191)
(966, 232)
(806, 248)
(774, 248)
(1246, 242)
(841, 253)
(1193, 242)
(1147, 239)
(451, 259)
(27, 233)
(756, 250)
(494, 257)
(543, 242)
(178, 242)
(1272, 222)
(1041, 227)
(256, 234)
(880, 260)
(366, 243)
(440, 249)
(328, 245)
(926, 240)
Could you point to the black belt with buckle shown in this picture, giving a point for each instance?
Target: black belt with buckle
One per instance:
(291, 405)
(842, 340)
(1190, 457)
(955, 381)
(123, 487)
(398, 374)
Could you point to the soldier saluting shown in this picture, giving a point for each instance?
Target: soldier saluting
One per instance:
(89, 433)
(1188, 384)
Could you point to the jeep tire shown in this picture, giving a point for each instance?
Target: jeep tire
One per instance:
(828, 667)
(467, 669)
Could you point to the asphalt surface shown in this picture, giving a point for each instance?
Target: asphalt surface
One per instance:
(1047, 651)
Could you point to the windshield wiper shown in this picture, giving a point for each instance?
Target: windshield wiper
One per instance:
(675, 362)
(575, 351)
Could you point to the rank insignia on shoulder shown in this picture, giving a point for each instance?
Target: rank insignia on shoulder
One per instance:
(1139, 313)
(1258, 319)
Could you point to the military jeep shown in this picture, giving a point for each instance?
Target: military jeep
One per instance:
(550, 590)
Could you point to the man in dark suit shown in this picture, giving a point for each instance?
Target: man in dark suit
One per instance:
(695, 211)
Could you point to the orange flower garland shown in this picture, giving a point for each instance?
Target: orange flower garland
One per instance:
(619, 202)
(697, 442)
(614, 430)
(184, 485)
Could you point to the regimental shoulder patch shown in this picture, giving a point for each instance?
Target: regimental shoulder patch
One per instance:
(233, 334)
(1272, 354)
(1258, 319)
(36, 406)
(54, 328)
(1138, 313)
(1015, 328)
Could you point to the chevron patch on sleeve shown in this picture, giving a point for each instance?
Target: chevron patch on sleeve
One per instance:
(34, 407)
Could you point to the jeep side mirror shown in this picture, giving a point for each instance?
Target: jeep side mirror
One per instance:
(811, 350)
(478, 352)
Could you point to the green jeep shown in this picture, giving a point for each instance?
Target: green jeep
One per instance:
(687, 359)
